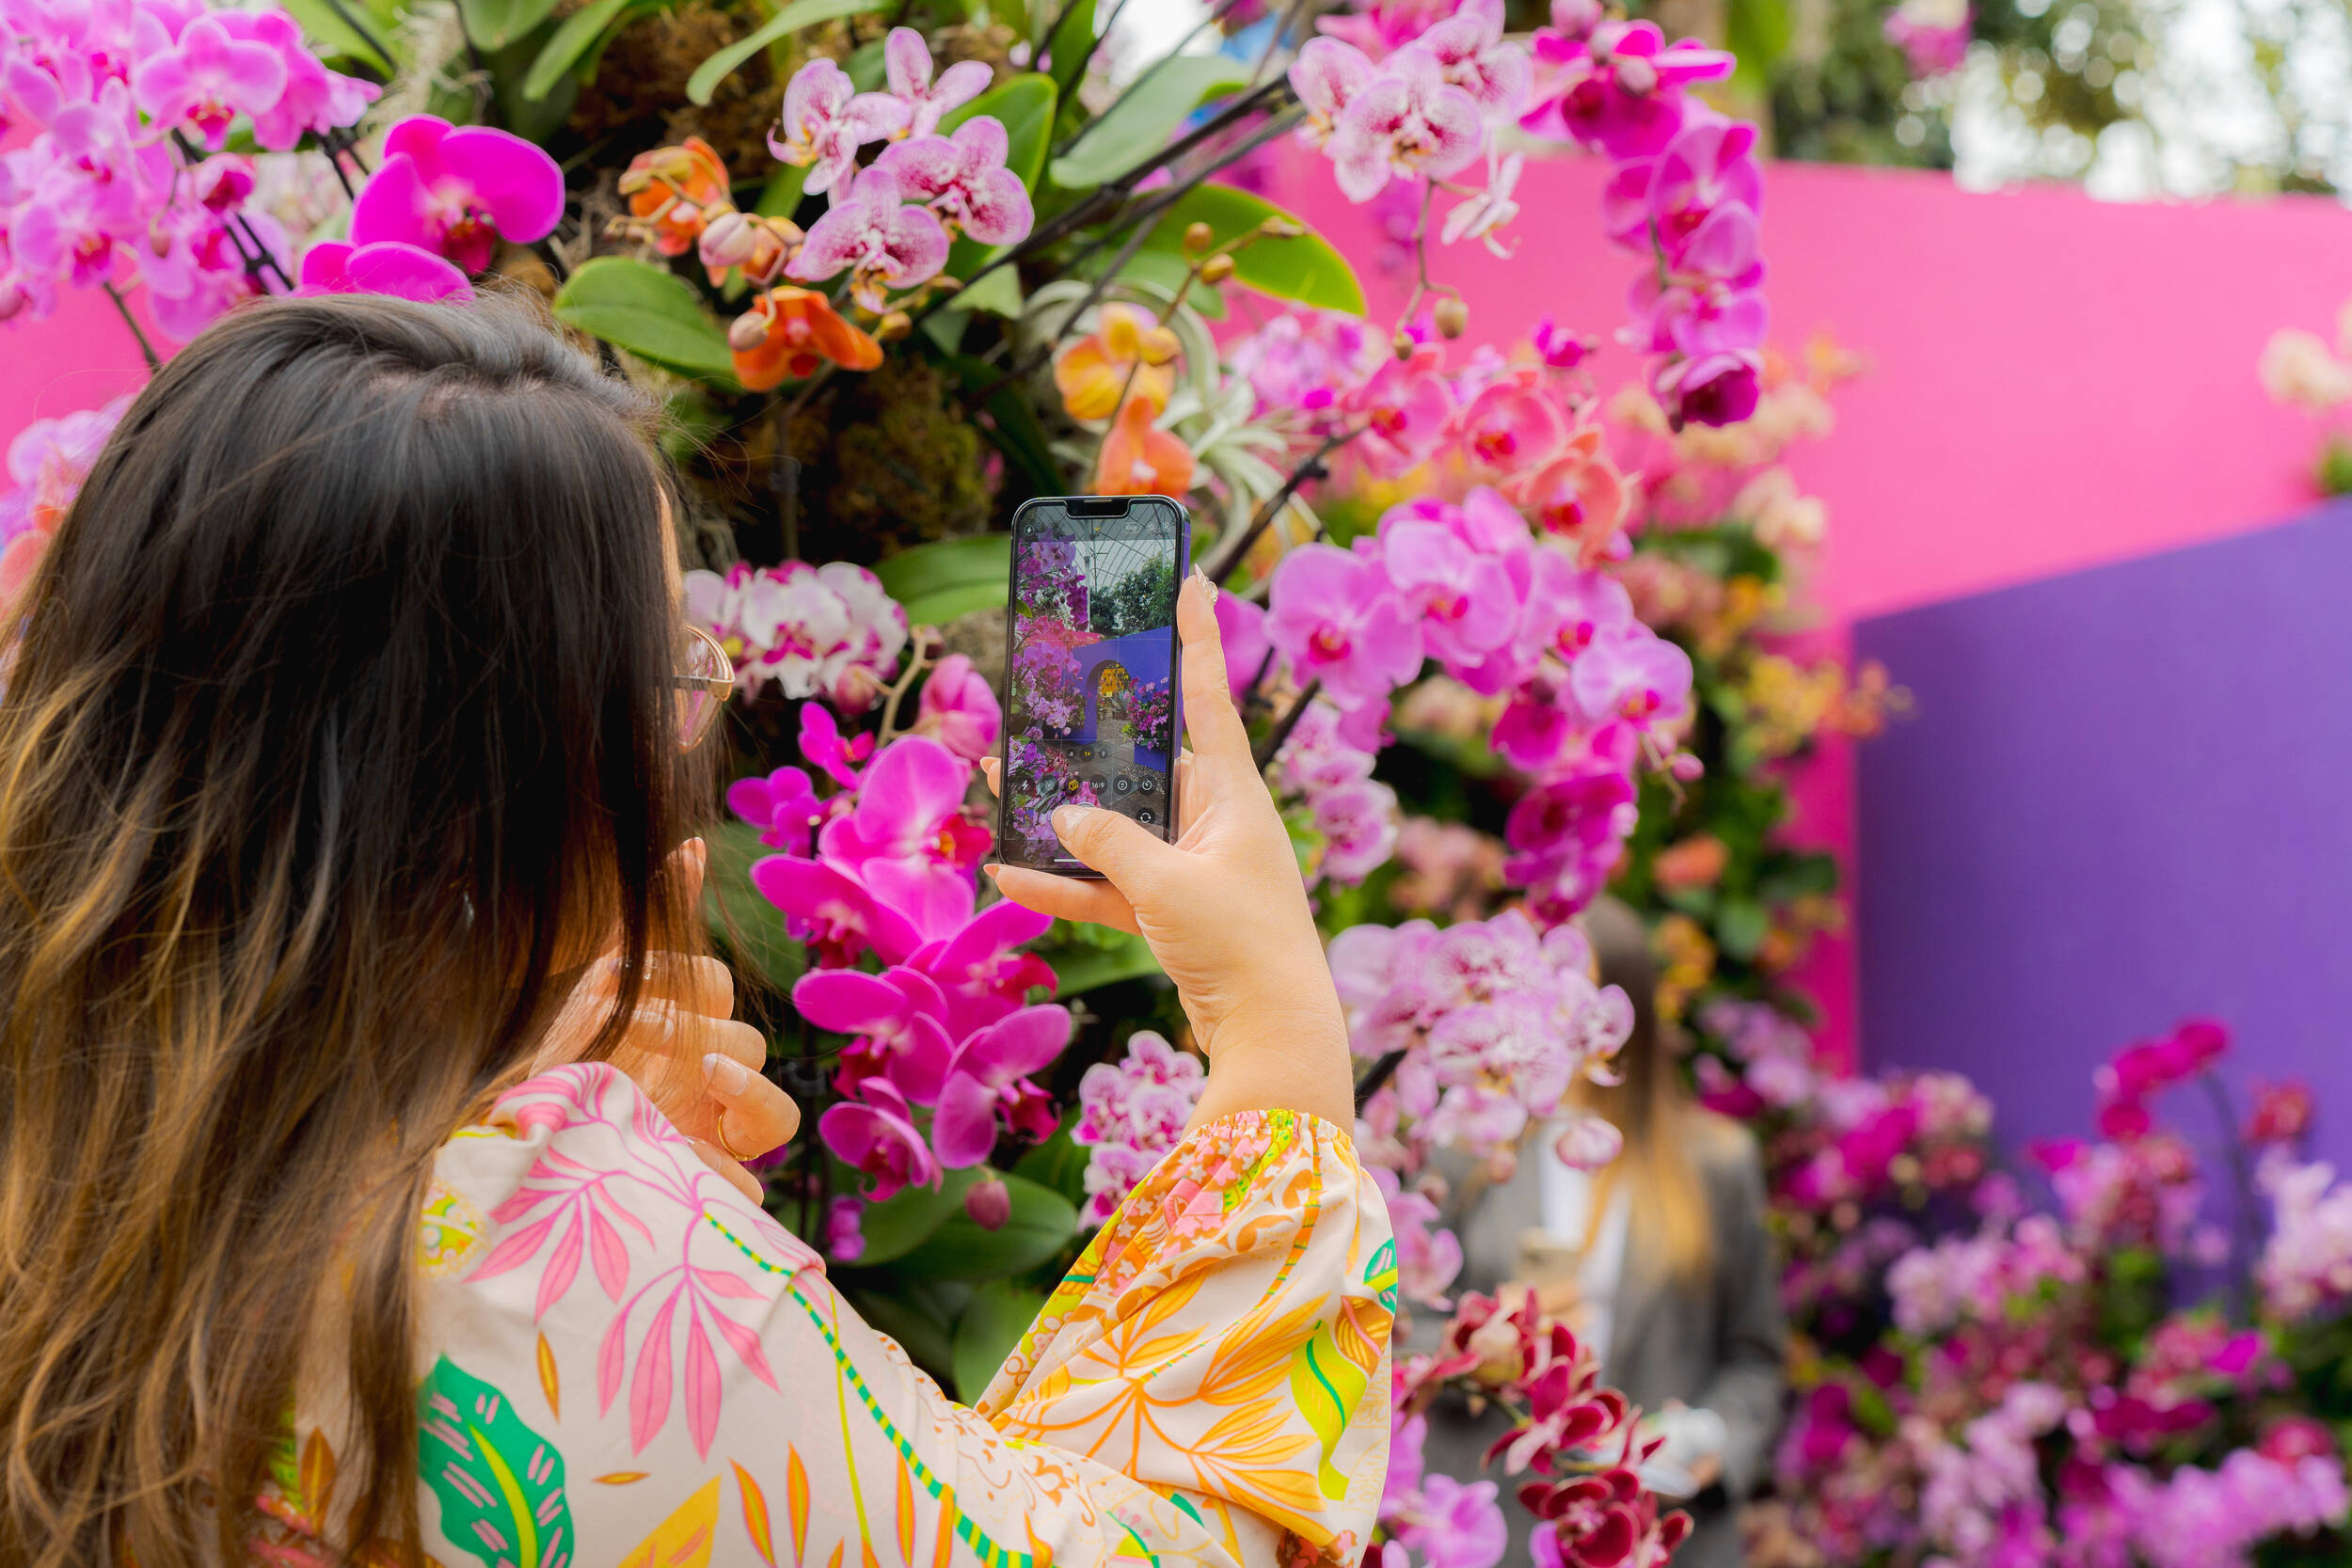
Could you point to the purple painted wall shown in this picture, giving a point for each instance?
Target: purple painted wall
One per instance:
(2125, 796)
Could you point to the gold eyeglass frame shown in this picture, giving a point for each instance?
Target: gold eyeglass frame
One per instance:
(721, 687)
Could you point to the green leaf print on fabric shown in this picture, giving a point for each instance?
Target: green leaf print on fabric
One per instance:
(499, 1484)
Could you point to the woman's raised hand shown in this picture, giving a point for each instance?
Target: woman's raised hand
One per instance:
(684, 1047)
(1223, 908)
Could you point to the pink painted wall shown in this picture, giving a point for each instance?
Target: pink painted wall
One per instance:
(77, 359)
(2054, 382)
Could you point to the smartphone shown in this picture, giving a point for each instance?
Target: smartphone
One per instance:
(1092, 669)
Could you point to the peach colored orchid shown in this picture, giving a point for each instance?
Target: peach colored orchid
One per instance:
(788, 333)
(1128, 351)
(1141, 459)
(674, 192)
(1577, 495)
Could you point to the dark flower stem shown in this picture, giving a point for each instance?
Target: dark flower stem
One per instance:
(1312, 468)
(1373, 1082)
(2242, 1235)
(1289, 722)
(122, 307)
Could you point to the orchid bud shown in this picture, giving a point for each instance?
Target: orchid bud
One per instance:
(1281, 229)
(894, 326)
(1217, 269)
(988, 1203)
(1452, 317)
(748, 331)
(1636, 75)
(730, 239)
(1403, 345)
(1197, 238)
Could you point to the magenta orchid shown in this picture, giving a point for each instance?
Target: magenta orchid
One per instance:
(881, 242)
(207, 78)
(1335, 619)
(459, 191)
(314, 99)
(908, 838)
(875, 1134)
(897, 1017)
(826, 120)
(1464, 601)
(391, 267)
(1406, 407)
(823, 747)
(963, 179)
(1616, 87)
(907, 64)
(783, 806)
(989, 1075)
(960, 710)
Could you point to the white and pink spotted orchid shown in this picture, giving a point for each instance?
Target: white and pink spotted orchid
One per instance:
(963, 179)
(1408, 122)
(882, 242)
(1327, 75)
(826, 120)
(1471, 53)
(907, 59)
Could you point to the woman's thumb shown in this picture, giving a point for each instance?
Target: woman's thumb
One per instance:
(1119, 847)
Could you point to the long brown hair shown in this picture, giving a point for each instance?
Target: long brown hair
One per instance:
(1650, 1106)
(341, 721)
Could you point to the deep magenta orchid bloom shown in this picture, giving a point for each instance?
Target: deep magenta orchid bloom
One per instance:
(459, 191)
(897, 1017)
(822, 747)
(989, 1073)
(391, 267)
(782, 806)
(908, 840)
(875, 1135)
(977, 970)
(960, 710)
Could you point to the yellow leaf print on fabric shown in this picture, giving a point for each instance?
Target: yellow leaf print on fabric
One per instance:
(756, 1513)
(1328, 1385)
(796, 1500)
(448, 1231)
(683, 1540)
(547, 1378)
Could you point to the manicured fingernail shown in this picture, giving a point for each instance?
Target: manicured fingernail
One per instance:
(1204, 581)
(724, 1074)
(993, 870)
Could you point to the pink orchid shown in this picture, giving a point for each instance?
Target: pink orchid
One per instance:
(1713, 388)
(1695, 318)
(1471, 52)
(1477, 217)
(898, 1018)
(1631, 673)
(826, 120)
(821, 746)
(907, 62)
(1327, 75)
(963, 180)
(958, 709)
(1384, 26)
(885, 245)
(782, 806)
(458, 190)
(977, 969)
(207, 79)
(391, 267)
(1561, 348)
(990, 1073)
(875, 1135)
(832, 912)
(314, 98)
(1406, 407)
(1710, 165)
(1617, 88)
(1564, 835)
(1241, 628)
(1408, 122)
(908, 840)
(1335, 619)
(1464, 601)
(1514, 424)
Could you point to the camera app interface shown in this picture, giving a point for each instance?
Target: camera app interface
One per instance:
(1092, 718)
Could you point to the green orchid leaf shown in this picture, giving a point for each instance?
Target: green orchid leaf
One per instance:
(495, 24)
(1078, 968)
(908, 1217)
(751, 929)
(920, 1332)
(336, 38)
(1058, 1163)
(654, 314)
(481, 1459)
(948, 578)
(1145, 118)
(781, 194)
(581, 36)
(800, 14)
(1306, 269)
(989, 1331)
(1072, 45)
(1042, 1223)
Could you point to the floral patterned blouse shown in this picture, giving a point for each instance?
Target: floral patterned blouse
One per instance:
(628, 1363)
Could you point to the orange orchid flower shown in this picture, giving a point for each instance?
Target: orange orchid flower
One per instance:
(675, 191)
(1093, 373)
(787, 333)
(1141, 459)
(1577, 496)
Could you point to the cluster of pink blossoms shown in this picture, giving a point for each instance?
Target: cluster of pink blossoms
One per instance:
(123, 181)
(1591, 691)
(1354, 813)
(830, 631)
(48, 461)
(1495, 1024)
(1405, 91)
(942, 1039)
(436, 211)
(1131, 1114)
(2306, 1266)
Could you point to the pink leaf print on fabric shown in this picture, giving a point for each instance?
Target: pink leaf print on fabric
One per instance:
(609, 1252)
(562, 1268)
(649, 1386)
(747, 1348)
(721, 1283)
(611, 1355)
(701, 1386)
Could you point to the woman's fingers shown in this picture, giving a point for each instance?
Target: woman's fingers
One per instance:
(750, 1115)
(988, 770)
(1064, 897)
(1215, 729)
(740, 1180)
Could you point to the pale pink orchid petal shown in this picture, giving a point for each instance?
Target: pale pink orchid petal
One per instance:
(1327, 75)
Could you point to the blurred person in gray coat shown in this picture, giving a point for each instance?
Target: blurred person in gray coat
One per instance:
(1659, 1262)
